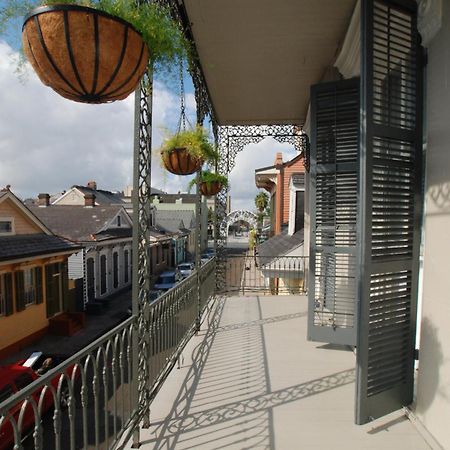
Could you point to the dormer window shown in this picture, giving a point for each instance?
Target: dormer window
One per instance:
(119, 221)
(6, 226)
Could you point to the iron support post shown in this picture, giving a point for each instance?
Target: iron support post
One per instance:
(141, 254)
(198, 245)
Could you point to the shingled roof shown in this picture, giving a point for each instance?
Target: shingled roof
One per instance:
(26, 245)
(76, 223)
(279, 245)
(175, 220)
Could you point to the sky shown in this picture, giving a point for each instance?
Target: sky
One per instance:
(48, 143)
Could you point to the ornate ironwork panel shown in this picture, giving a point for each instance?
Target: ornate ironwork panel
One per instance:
(232, 140)
(141, 238)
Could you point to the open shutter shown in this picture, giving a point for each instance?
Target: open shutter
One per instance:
(391, 204)
(334, 166)
(38, 278)
(9, 306)
(20, 291)
(64, 271)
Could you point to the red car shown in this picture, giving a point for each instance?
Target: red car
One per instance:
(15, 377)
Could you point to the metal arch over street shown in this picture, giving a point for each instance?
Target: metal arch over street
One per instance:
(234, 216)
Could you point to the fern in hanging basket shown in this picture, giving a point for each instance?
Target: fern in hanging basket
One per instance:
(95, 51)
(185, 152)
(210, 183)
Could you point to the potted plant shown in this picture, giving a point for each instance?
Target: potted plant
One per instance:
(95, 51)
(185, 152)
(210, 183)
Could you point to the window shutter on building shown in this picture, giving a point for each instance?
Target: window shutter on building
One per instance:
(63, 267)
(390, 198)
(20, 291)
(9, 304)
(38, 278)
(334, 166)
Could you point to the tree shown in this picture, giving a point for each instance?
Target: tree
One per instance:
(261, 201)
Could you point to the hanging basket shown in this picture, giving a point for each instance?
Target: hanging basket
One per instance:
(179, 162)
(84, 54)
(209, 189)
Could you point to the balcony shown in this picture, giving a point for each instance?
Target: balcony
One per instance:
(227, 385)
(236, 389)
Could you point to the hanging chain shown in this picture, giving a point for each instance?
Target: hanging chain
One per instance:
(182, 122)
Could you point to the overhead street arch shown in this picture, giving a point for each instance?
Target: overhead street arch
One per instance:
(235, 216)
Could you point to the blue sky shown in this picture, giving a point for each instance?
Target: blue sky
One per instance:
(48, 144)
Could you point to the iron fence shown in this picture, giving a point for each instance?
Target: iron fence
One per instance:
(272, 275)
(88, 400)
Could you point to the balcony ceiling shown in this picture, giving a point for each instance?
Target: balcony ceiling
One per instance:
(259, 57)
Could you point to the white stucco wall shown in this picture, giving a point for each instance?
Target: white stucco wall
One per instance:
(433, 390)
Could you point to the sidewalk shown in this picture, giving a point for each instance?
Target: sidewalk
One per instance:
(115, 311)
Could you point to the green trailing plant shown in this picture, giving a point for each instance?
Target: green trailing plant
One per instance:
(209, 177)
(195, 141)
(163, 36)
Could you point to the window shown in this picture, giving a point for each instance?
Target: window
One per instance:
(29, 283)
(126, 266)
(102, 274)
(23, 380)
(115, 270)
(119, 221)
(6, 226)
(158, 254)
(28, 287)
(6, 392)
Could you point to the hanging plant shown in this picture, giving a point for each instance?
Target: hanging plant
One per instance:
(95, 51)
(210, 183)
(185, 152)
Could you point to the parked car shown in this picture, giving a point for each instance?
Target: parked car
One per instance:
(17, 376)
(167, 280)
(185, 269)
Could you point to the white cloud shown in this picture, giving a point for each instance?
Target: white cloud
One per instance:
(242, 178)
(48, 144)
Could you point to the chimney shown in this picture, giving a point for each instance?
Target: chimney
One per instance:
(92, 185)
(89, 200)
(43, 200)
(278, 159)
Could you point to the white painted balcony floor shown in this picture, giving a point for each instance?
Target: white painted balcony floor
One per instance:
(251, 380)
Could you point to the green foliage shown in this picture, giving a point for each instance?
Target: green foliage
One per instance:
(163, 36)
(261, 201)
(209, 177)
(195, 141)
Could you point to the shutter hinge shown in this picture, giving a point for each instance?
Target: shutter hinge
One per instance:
(416, 354)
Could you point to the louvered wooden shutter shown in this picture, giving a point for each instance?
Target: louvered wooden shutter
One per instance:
(38, 278)
(64, 271)
(9, 305)
(391, 151)
(334, 164)
(20, 291)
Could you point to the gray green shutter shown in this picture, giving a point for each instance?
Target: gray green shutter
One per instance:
(391, 203)
(38, 278)
(9, 305)
(334, 165)
(20, 291)
(64, 277)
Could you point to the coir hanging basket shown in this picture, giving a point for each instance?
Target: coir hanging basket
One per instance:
(180, 162)
(84, 54)
(209, 189)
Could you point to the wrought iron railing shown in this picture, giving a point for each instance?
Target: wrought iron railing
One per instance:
(88, 401)
(266, 275)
